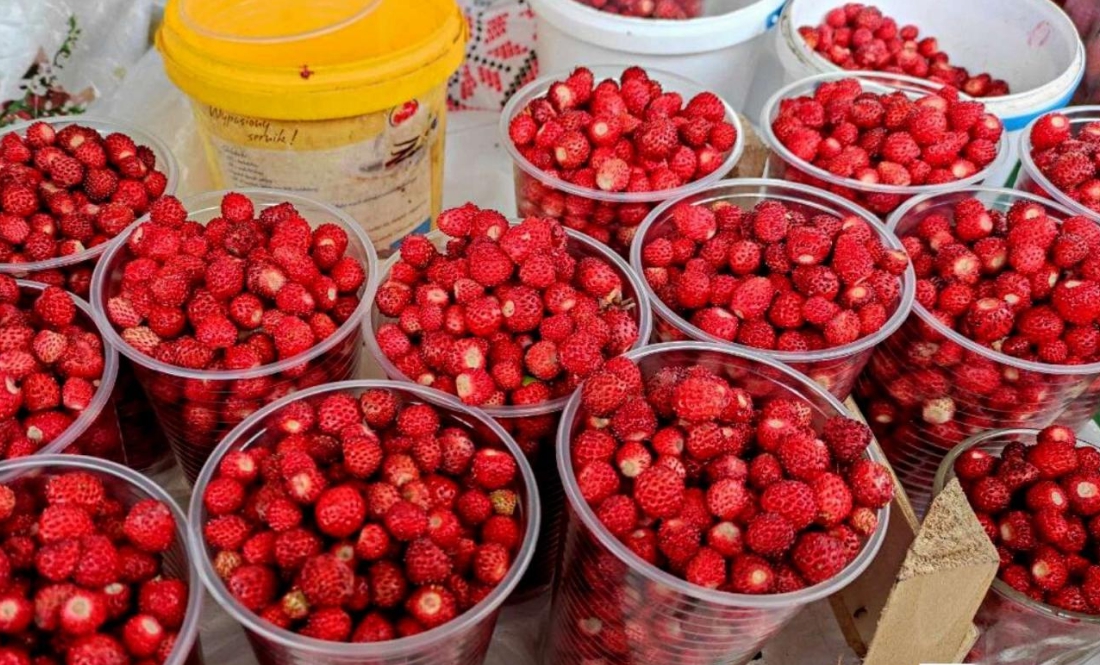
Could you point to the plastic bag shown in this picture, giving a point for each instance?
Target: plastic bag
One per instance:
(57, 57)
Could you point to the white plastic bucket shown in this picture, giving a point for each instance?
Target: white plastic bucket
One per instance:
(1032, 44)
(718, 50)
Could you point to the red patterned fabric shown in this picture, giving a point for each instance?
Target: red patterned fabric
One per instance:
(500, 57)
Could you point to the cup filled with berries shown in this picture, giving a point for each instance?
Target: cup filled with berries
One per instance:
(791, 271)
(1060, 158)
(96, 566)
(230, 300)
(508, 317)
(1037, 495)
(712, 493)
(1004, 332)
(879, 139)
(58, 393)
(598, 148)
(71, 186)
(365, 521)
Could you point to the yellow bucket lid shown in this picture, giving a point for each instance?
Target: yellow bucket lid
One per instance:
(295, 60)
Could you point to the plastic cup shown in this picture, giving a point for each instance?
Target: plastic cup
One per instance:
(534, 425)
(462, 641)
(726, 38)
(1034, 46)
(1032, 180)
(128, 487)
(1014, 628)
(611, 606)
(612, 217)
(74, 273)
(344, 102)
(878, 198)
(196, 408)
(925, 388)
(834, 369)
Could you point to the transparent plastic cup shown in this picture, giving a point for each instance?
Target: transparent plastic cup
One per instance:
(74, 273)
(533, 425)
(834, 369)
(1014, 628)
(878, 198)
(95, 432)
(461, 641)
(128, 487)
(611, 217)
(1032, 180)
(610, 606)
(926, 388)
(196, 408)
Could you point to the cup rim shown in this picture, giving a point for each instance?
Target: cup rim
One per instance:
(887, 82)
(946, 472)
(907, 294)
(391, 648)
(103, 126)
(654, 574)
(205, 201)
(1074, 114)
(645, 324)
(187, 637)
(683, 85)
(961, 340)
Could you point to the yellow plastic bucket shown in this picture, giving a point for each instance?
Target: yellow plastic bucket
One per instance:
(340, 100)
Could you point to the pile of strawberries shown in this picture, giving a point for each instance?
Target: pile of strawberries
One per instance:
(857, 36)
(65, 190)
(727, 490)
(885, 139)
(1070, 161)
(615, 137)
(364, 518)
(1040, 505)
(83, 576)
(51, 361)
(1022, 283)
(658, 9)
(774, 277)
(241, 292)
(506, 315)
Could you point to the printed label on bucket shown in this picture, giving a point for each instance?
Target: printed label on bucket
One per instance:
(379, 168)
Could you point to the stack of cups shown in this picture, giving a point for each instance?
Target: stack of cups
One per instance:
(461, 641)
(141, 435)
(928, 387)
(611, 217)
(196, 408)
(880, 199)
(128, 487)
(606, 590)
(1016, 629)
(533, 426)
(834, 369)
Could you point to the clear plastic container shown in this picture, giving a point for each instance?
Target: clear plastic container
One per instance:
(534, 425)
(184, 398)
(1015, 629)
(74, 273)
(918, 391)
(461, 641)
(543, 195)
(1032, 180)
(344, 102)
(655, 617)
(834, 369)
(128, 487)
(878, 198)
(95, 431)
